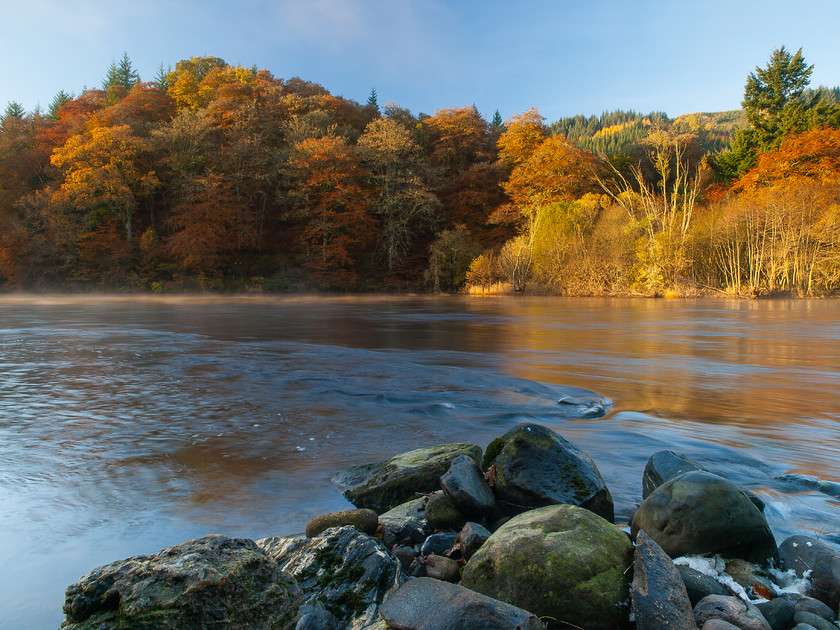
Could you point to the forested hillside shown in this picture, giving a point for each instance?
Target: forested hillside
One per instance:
(219, 177)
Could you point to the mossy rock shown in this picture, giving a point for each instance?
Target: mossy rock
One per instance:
(560, 562)
(702, 513)
(364, 520)
(385, 485)
(536, 467)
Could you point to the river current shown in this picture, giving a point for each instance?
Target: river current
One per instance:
(128, 424)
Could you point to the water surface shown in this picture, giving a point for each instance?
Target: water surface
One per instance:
(130, 424)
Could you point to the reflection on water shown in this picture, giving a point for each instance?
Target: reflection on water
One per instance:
(128, 424)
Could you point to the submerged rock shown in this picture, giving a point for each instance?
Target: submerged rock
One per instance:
(560, 561)
(536, 467)
(658, 595)
(349, 572)
(384, 485)
(428, 604)
(213, 581)
(702, 513)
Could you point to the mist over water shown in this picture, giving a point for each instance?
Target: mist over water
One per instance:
(130, 424)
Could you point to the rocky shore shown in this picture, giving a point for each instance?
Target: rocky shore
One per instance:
(519, 536)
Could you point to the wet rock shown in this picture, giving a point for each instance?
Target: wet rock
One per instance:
(443, 514)
(658, 595)
(664, 466)
(805, 553)
(472, 537)
(701, 513)
(439, 544)
(466, 487)
(213, 581)
(812, 605)
(561, 561)
(731, 609)
(536, 467)
(364, 520)
(747, 574)
(815, 621)
(428, 604)
(778, 612)
(384, 485)
(349, 572)
(698, 585)
(406, 523)
(405, 555)
(442, 568)
(808, 482)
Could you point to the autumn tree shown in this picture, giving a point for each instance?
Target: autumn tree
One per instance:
(332, 203)
(456, 137)
(450, 256)
(101, 174)
(403, 202)
(523, 134)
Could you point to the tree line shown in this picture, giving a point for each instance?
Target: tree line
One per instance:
(222, 177)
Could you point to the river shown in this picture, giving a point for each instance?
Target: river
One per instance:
(128, 424)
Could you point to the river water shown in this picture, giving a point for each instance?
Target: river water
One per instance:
(130, 424)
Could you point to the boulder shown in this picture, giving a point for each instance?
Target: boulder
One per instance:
(428, 604)
(472, 536)
(807, 618)
(466, 487)
(536, 467)
(702, 513)
(443, 514)
(731, 609)
(664, 466)
(364, 520)
(213, 581)
(559, 561)
(658, 596)
(778, 612)
(811, 605)
(719, 624)
(698, 584)
(439, 544)
(348, 572)
(384, 485)
(317, 618)
(805, 553)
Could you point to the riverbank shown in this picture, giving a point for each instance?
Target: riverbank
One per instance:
(519, 535)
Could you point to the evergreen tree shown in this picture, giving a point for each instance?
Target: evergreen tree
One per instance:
(122, 75)
(13, 116)
(62, 98)
(772, 98)
(162, 77)
(372, 102)
(497, 124)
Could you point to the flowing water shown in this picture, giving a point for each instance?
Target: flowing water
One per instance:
(130, 424)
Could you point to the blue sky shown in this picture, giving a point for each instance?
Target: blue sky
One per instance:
(565, 57)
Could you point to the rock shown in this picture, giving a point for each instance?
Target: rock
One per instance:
(737, 612)
(439, 544)
(364, 520)
(803, 617)
(658, 595)
(664, 466)
(466, 487)
(535, 467)
(805, 553)
(698, 585)
(701, 513)
(384, 485)
(560, 561)
(427, 604)
(442, 514)
(442, 568)
(719, 624)
(812, 605)
(347, 571)
(213, 581)
(803, 626)
(747, 575)
(472, 536)
(405, 555)
(406, 522)
(317, 618)
(778, 612)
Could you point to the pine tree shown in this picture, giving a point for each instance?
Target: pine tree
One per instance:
(372, 102)
(122, 75)
(162, 77)
(62, 98)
